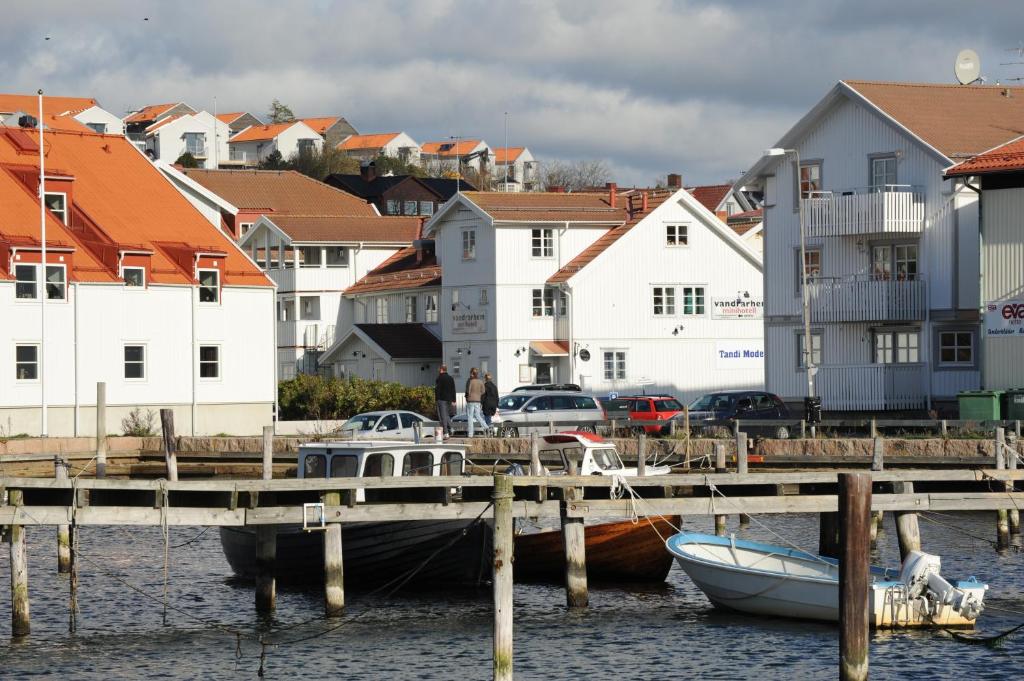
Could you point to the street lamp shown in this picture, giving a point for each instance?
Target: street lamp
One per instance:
(805, 294)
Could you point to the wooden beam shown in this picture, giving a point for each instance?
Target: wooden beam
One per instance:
(908, 533)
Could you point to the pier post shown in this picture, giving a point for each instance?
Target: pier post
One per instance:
(720, 528)
(266, 538)
(741, 466)
(60, 472)
(641, 454)
(268, 452)
(170, 444)
(101, 429)
(502, 578)
(574, 544)
(1002, 517)
(334, 572)
(20, 622)
(1013, 513)
(877, 464)
(908, 532)
(854, 517)
(535, 467)
(828, 534)
(944, 429)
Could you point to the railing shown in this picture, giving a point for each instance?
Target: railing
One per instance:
(310, 336)
(871, 386)
(240, 156)
(866, 299)
(196, 150)
(873, 210)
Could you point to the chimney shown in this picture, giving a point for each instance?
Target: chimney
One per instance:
(675, 181)
(368, 171)
(643, 204)
(613, 190)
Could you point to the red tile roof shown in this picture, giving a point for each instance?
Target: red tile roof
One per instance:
(512, 153)
(710, 195)
(548, 207)
(374, 141)
(333, 228)
(1006, 158)
(435, 148)
(162, 122)
(230, 117)
(51, 105)
(259, 133)
(320, 124)
(279, 191)
(149, 113)
(400, 272)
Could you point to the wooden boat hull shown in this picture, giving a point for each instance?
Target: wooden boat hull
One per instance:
(373, 552)
(616, 552)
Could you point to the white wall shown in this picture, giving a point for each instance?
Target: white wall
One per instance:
(169, 139)
(96, 115)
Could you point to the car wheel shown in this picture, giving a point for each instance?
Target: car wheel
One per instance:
(508, 431)
(781, 433)
(587, 428)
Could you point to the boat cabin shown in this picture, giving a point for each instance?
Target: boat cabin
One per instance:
(591, 454)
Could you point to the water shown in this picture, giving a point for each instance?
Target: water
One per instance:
(647, 633)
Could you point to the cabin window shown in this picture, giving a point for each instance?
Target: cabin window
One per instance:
(543, 243)
(134, 276)
(314, 466)
(26, 362)
(135, 362)
(664, 301)
(418, 463)
(430, 308)
(26, 286)
(605, 459)
(677, 235)
(57, 204)
(379, 466)
(209, 361)
(451, 463)
(209, 286)
(469, 244)
(344, 466)
(337, 256)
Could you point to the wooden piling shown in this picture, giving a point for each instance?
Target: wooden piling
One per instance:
(502, 578)
(60, 472)
(720, 528)
(170, 444)
(741, 466)
(943, 429)
(908, 532)
(828, 534)
(854, 518)
(266, 542)
(101, 429)
(268, 452)
(641, 454)
(873, 426)
(334, 573)
(877, 464)
(1013, 514)
(20, 621)
(535, 467)
(574, 545)
(1002, 517)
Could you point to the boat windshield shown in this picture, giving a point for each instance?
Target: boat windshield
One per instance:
(314, 466)
(712, 402)
(361, 422)
(512, 401)
(344, 466)
(606, 458)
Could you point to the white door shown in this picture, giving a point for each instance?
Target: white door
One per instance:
(378, 369)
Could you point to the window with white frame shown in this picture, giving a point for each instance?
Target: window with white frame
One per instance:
(382, 311)
(543, 302)
(135, 362)
(410, 308)
(810, 179)
(468, 244)
(664, 298)
(815, 350)
(337, 256)
(543, 243)
(97, 127)
(58, 205)
(26, 285)
(26, 362)
(195, 143)
(956, 348)
(309, 308)
(209, 286)
(393, 207)
(309, 256)
(287, 310)
(426, 207)
(243, 228)
(677, 235)
(897, 347)
(209, 361)
(693, 300)
(56, 283)
(812, 265)
(614, 365)
(430, 308)
(483, 296)
(411, 207)
(134, 276)
(883, 173)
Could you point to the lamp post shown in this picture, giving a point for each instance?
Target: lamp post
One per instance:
(805, 294)
(44, 426)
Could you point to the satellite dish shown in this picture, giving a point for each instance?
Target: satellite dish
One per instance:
(967, 67)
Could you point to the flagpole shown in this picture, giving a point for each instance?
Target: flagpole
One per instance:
(42, 288)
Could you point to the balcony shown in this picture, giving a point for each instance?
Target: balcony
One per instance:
(239, 157)
(870, 387)
(197, 150)
(893, 209)
(866, 299)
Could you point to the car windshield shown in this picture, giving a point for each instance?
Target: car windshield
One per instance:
(712, 402)
(361, 422)
(512, 401)
(667, 405)
(606, 459)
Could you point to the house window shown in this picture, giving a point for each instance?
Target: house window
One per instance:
(309, 256)
(135, 362)
(56, 283)
(134, 276)
(483, 296)
(430, 308)
(693, 300)
(563, 303)
(243, 228)
(393, 207)
(812, 265)
(25, 282)
(543, 243)
(426, 207)
(26, 362)
(456, 366)
(815, 350)
(543, 299)
(337, 256)
(883, 173)
(195, 143)
(469, 244)
(410, 308)
(899, 347)
(664, 300)
(306, 147)
(382, 311)
(677, 235)
(810, 179)
(956, 348)
(900, 259)
(209, 286)
(287, 308)
(58, 205)
(209, 361)
(309, 308)
(97, 127)
(411, 207)
(25, 286)
(614, 365)
(288, 259)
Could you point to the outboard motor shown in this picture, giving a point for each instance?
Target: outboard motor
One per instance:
(921, 575)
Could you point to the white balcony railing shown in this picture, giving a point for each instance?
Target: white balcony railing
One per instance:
(197, 150)
(311, 336)
(240, 156)
(870, 387)
(318, 336)
(864, 299)
(893, 209)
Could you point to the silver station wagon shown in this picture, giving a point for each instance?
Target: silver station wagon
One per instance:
(525, 411)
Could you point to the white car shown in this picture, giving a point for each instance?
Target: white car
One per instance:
(393, 425)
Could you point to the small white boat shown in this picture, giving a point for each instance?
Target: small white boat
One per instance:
(762, 579)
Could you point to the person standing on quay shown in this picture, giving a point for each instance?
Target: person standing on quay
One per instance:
(474, 394)
(490, 401)
(444, 398)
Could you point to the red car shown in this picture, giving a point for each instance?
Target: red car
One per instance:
(652, 408)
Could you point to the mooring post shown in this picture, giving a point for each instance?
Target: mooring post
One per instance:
(268, 452)
(574, 544)
(854, 517)
(101, 429)
(873, 428)
(944, 429)
(877, 464)
(60, 472)
(741, 466)
(908, 532)
(266, 538)
(170, 444)
(803, 429)
(334, 573)
(1013, 513)
(20, 623)
(1002, 518)
(417, 432)
(535, 467)
(641, 454)
(828, 534)
(502, 578)
(720, 528)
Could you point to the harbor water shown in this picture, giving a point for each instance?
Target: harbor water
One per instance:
(661, 632)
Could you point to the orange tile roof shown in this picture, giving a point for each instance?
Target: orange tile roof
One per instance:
(595, 249)
(548, 207)
(958, 120)
(1005, 158)
(259, 133)
(346, 228)
(710, 195)
(399, 272)
(230, 117)
(64, 122)
(372, 141)
(109, 177)
(464, 147)
(512, 153)
(320, 124)
(279, 191)
(51, 105)
(162, 122)
(149, 113)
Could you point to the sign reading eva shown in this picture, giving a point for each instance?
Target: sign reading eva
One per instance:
(737, 308)
(1005, 318)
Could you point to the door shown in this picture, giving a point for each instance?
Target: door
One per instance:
(378, 369)
(545, 372)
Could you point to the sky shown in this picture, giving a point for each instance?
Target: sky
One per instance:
(650, 87)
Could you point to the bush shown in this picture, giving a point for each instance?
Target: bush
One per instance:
(309, 397)
(137, 424)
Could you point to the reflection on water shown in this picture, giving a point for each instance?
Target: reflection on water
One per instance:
(666, 631)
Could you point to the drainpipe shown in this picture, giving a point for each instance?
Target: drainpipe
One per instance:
(981, 283)
(565, 288)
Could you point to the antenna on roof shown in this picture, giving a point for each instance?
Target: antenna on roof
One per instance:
(967, 67)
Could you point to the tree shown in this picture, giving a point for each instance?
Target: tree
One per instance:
(273, 161)
(187, 160)
(319, 163)
(280, 113)
(574, 175)
(385, 164)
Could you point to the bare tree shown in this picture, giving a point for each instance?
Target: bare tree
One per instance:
(574, 175)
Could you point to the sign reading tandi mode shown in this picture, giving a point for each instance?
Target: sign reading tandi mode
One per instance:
(737, 308)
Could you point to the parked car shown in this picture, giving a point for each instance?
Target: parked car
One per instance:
(652, 408)
(522, 412)
(565, 387)
(395, 424)
(726, 405)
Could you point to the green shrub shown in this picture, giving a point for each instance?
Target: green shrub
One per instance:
(311, 397)
(139, 423)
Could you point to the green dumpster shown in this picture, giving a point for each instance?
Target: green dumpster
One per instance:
(1013, 404)
(980, 405)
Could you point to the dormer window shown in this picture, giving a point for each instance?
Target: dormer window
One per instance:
(209, 286)
(134, 276)
(58, 205)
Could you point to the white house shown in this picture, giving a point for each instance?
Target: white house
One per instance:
(451, 156)
(394, 144)
(515, 170)
(136, 122)
(201, 134)
(892, 249)
(614, 292)
(99, 120)
(84, 110)
(144, 295)
(255, 143)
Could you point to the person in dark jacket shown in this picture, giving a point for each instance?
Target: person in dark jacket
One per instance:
(444, 398)
(490, 400)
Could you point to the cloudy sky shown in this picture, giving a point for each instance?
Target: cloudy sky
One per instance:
(650, 87)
